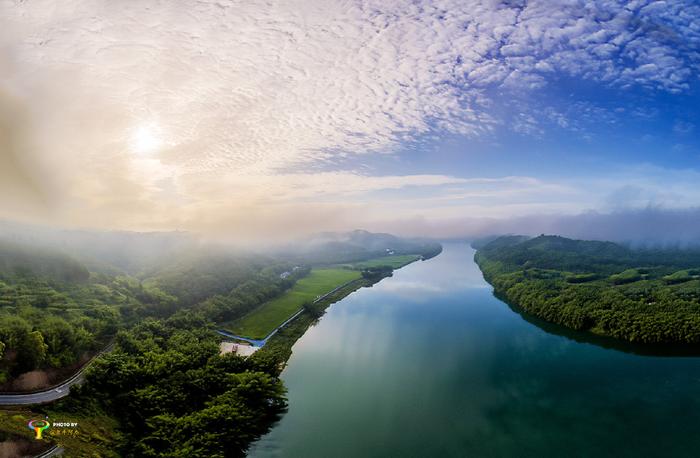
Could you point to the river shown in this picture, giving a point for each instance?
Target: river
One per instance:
(428, 363)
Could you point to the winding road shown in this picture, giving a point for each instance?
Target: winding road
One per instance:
(53, 451)
(50, 394)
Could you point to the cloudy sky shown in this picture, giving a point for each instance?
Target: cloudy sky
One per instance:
(257, 118)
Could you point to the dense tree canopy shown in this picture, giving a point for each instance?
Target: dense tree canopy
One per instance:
(177, 397)
(649, 295)
(53, 317)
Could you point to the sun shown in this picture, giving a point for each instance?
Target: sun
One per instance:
(146, 139)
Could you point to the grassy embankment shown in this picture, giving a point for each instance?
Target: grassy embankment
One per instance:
(280, 345)
(268, 316)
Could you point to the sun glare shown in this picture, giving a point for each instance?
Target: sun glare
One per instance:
(146, 139)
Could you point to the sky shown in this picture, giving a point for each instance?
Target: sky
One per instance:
(271, 118)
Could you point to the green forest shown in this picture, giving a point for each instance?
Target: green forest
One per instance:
(174, 395)
(163, 380)
(55, 314)
(646, 295)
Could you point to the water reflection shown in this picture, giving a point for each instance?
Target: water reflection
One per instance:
(430, 363)
(605, 341)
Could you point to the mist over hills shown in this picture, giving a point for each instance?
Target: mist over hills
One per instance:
(646, 227)
(48, 252)
(23, 260)
(130, 252)
(355, 245)
(556, 252)
(144, 254)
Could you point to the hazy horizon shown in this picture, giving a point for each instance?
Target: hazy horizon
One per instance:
(643, 227)
(258, 120)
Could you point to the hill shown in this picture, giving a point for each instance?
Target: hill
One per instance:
(650, 295)
(357, 245)
(111, 252)
(22, 260)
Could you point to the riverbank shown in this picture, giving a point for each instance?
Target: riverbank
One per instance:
(258, 343)
(499, 386)
(279, 346)
(300, 294)
(261, 322)
(598, 287)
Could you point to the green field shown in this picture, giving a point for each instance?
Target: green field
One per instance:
(268, 316)
(395, 262)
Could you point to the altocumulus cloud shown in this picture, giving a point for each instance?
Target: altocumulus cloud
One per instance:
(246, 94)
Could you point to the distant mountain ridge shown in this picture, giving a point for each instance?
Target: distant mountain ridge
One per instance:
(102, 251)
(19, 259)
(358, 245)
(69, 255)
(561, 253)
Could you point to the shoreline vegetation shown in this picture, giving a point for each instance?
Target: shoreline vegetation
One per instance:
(373, 271)
(165, 389)
(280, 345)
(260, 322)
(647, 296)
(310, 289)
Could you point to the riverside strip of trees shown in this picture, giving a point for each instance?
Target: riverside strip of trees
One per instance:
(639, 295)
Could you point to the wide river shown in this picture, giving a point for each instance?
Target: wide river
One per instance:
(429, 363)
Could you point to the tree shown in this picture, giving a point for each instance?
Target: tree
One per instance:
(31, 351)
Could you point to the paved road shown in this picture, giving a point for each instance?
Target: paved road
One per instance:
(53, 451)
(42, 397)
(53, 393)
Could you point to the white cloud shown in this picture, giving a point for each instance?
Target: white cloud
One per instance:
(683, 127)
(242, 92)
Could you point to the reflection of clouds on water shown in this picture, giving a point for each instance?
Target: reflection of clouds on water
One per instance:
(530, 344)
(421, 364)
(353, 333)
(450, 271)
(400, 286)
(422, 290)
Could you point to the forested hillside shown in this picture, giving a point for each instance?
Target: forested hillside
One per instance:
(193, 276)
(358, 245)
(649, 295)
(174, 395)
(17, 260)
(54, 313)
(164, 380)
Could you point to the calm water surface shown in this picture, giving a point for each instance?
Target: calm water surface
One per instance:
(429, 363)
